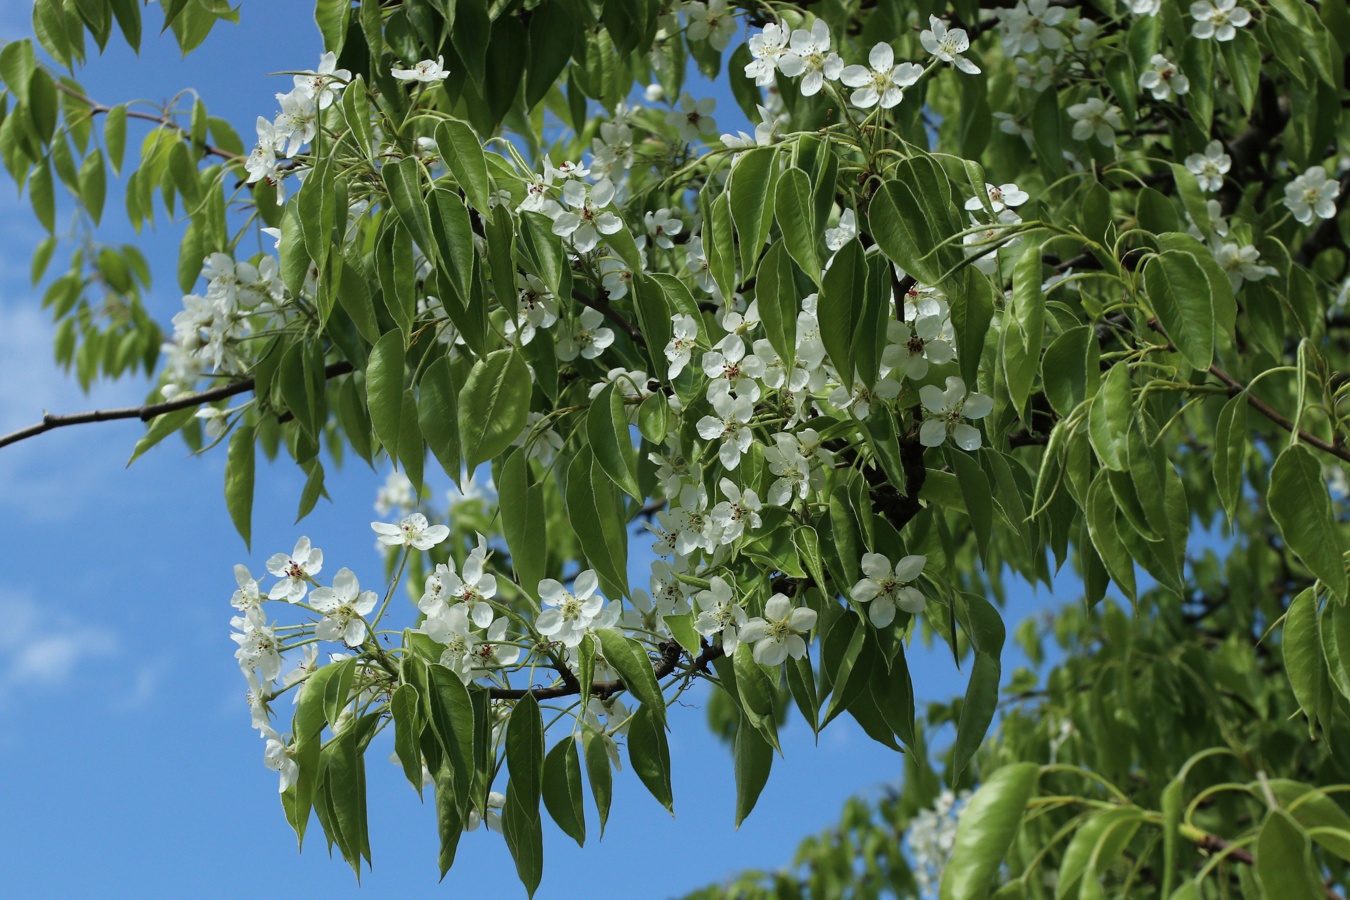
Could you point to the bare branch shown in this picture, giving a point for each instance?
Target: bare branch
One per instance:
(146, 413)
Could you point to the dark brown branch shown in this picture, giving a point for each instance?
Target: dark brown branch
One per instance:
(96, 108)
(1211, 843)
(663, 666)
(146, 413)
(1236, 387)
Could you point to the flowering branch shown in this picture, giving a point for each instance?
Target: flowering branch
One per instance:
(150, 411)
(670, 658)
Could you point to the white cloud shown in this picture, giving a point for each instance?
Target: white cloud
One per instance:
(43, 651)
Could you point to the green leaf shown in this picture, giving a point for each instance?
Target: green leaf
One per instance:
(406, 707)
(754, 759)
(562, 789)
(1109, 418)
(1304, 661)
(719, 244)
(607, 429)
(1301, 506)
(453, 233)
(598, 772)
(463, 154)
(985, 629)
(1095, 846)
(160, 427)
(911, 216)
(649, 755)
(1179, 292)
(751, 188)
(239, 481)
(629, 658)
(524, 523)
(842, 298)
(494, 406)
(794, 206)
(42, 196)
(438, 415)
(93, 184)
(1023, 327)
(1069, 369)
(403, 180)
(449, 710)
(594, 513)
(776, 291)
(384, 390)
(986, 830)
(1284, 863)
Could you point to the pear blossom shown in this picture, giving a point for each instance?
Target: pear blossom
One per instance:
(295, 571)
(586, 217)
(945, 411)
(540, 439)
(683, 339)
(414, 531)
(809, 54)
(1001, 196)
(615, 276)
(1087, 31)
(262, 160)
(883, 84)
(778, 634)
(260, 714)
(791, 468)
(1144, 7)
(732, 369)
(720, 614)
(847, 230)
(663, 225)
(1210, 167)
(1163, 79)
(729, 423)
(247, 597)
(494, 651)
(1094, 117)
(1242, 263)
(1219, 20)
(297, 123)
(913, 348)
(859, 400)
(587, 337)
(569, 613)
(693, 118)
(885, 589)
(307, 666)
(696, 261)
(710, 21)
(427, 71)
(344, 605)
(277, 756)
(692, 521)
(1029, 26)
(451, 627)
(766, 48)
(259, 648)
(1312, 195)
(324, 83)
(948, 45)
(396, 493)
(739, 511)
(472, 586)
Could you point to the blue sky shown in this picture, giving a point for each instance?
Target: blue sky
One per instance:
(129, 765)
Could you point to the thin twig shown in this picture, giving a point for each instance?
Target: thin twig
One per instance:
(670, 658)
(148, 412)
(96, 108)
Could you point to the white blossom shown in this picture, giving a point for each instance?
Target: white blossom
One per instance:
(586, 218)
(428, 71)
(1163, 79)
(1210, 167)
(569, 613)
(884, 83)
(945, 411)
(1029, 26)
(885, 588)
(693, 118)
(662, 225)
(324, 83)
(1219, 20)
(295, 571)
(778, 634)
(684, 337)
(277, 756)
(739, 511)
(414, 531)
(1242, 263)
(344, 606)
(1312, 195)
(710, 21)
(809, 54)
(729, 424)
(1001, 196)
(766, 48)
(247, 597)
(1094, 117)
(587, 337)
(948, 45)
(847, 230)
(720, 614)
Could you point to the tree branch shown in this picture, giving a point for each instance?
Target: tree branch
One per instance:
(1236, 387)
(148, 412)
(665, 665)
(96, 108)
